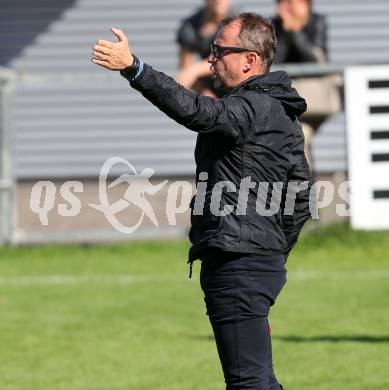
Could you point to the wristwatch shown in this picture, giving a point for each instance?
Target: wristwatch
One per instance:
(130, 71)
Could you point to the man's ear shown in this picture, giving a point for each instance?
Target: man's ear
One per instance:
(252, 61)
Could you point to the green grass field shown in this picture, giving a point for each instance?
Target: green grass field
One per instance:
(127, 317)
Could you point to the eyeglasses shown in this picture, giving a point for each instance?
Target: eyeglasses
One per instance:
(219, 51)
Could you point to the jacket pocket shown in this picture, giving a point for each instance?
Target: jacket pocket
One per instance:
(205, 225)
(265, 233)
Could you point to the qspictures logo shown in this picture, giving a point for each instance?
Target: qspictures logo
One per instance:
(140, 188)
(135, 194)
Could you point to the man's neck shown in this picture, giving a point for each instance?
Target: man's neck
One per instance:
(249, 75)
(244, 80)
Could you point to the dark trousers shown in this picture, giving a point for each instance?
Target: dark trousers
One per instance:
(238, 292)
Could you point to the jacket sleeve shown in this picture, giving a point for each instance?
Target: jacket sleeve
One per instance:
(320, 34)
(185, 36)
(302, 44)
(302, 200)
(231, 116)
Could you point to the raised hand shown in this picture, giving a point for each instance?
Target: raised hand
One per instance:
(113, 55)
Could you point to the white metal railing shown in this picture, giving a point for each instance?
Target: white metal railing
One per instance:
(7, 182)
(367, 110)
(310, 69)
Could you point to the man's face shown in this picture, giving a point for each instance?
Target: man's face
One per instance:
(228, 69)
(296, 7)
(219, 7)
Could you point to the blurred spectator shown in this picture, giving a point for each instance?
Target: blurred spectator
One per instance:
(301, 33)
(302, 37)
(195, 36)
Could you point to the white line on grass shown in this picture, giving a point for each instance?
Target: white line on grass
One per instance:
(360, 274)
(85, 279)
(54, 280)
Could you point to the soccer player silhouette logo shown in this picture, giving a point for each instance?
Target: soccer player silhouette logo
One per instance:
(139, 184)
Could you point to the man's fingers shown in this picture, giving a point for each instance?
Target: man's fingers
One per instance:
(119, 34)
(108, 44)
(101, 53)
(103, 63)
(99, 56)
(102, 50)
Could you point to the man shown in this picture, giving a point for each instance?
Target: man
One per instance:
(301, 38)
(194, 37)
(301, 33)
(252, 133)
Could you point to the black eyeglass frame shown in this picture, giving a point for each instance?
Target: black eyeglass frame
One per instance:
(220, 51)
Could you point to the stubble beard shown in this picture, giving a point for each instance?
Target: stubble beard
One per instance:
(219, 83)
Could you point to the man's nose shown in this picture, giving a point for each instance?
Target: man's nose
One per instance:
(211, 58)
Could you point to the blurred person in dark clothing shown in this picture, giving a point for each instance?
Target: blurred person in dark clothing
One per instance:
(195, 36)
(302, 38)
(301, 33)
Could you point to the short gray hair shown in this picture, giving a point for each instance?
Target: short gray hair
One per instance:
(257, 34)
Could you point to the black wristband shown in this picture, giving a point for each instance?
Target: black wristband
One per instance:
(131, 70)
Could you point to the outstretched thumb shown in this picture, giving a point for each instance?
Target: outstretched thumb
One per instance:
(119, 34)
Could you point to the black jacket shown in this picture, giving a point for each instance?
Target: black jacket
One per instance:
(254, 132)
